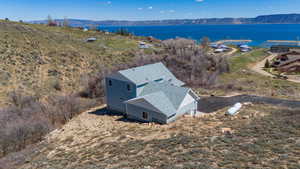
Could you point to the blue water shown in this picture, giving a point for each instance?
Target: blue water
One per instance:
(258, 33)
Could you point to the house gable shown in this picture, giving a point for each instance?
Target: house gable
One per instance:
(159, 101)
(187, 100)
(141, 102)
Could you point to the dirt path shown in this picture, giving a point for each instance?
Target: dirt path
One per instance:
(258, 67)
(233, 51)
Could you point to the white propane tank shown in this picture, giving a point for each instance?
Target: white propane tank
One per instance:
(234, 110)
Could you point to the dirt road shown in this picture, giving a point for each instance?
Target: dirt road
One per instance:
(233, 51)
(258, 67)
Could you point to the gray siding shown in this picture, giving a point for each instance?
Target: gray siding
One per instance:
(117, 93)
(136, 112)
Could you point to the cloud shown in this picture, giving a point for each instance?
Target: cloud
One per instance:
(199, 0)
(108, 2)
(150, 7)
(140, 9)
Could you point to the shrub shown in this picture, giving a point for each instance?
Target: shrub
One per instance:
(267, 64)
(123, 32)
(183, 57)
(28, 119)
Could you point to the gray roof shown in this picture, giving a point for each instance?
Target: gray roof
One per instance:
(292, 59)
(144, 74)
(163, 96)
(174, 94)
(160, 101)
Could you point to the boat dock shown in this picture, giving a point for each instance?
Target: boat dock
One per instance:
(233, 41)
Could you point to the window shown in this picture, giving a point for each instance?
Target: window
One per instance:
(145, 115)
(110, 83)
(142, 85)
(172, 116)
(158, 80)
(128, 87)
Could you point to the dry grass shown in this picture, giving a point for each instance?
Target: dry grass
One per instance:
(260, 138)
(243, 80)
(35, 58)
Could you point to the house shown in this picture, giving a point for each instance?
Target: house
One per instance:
(245, 48)
(92, 39)
(214, 45)
(284, 48)
(144, 45)
(149, 93)
(287, 62)
(219, 50)
(224, 47)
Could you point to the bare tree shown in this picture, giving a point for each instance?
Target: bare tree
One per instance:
(50, 21)
(65, 22)
(205, 42)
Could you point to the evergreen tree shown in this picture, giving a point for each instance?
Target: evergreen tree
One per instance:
(267, 64)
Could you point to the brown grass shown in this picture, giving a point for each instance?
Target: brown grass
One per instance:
(261, 138)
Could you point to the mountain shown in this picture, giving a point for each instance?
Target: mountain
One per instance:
(264, 19)
(279, 19)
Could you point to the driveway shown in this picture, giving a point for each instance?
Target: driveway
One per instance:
(212, 104)
(258, 67)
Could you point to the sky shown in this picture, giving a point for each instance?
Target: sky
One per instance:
(29, 10)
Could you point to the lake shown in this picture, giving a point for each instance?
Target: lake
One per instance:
(258, 33)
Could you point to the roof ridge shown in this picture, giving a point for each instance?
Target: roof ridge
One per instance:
(139, 67)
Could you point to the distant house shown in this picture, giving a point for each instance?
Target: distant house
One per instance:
(214, 45)
(245, 48)
(219, 50)
(288, 62)
(92, 39)
(144, 45)
(284, 48)
(149, 93)
(223, 47)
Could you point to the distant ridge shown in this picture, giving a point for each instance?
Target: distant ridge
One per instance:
(263, 19)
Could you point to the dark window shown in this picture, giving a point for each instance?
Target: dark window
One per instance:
(145, 115)
(172, 116)
(158, 80)
(142, 85)
(128, 87)
(110, 83)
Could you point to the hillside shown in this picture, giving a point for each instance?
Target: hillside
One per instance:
(263, 19)
(38, 59)
(258, 137)
(41, 60)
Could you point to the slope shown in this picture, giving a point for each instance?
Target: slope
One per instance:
(38, 58)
